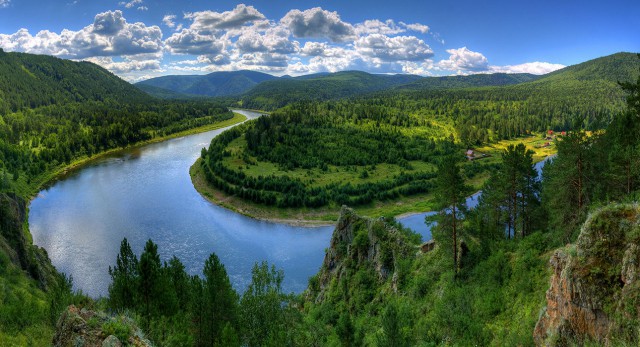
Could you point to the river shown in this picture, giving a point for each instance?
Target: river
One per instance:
(146, 193)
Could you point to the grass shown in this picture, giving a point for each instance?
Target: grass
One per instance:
(315, 177)
(532, 142)
(23, 308)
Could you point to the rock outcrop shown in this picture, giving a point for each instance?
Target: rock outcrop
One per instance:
(360, 243)
(14, 241)
(595, 293)
(86, 328)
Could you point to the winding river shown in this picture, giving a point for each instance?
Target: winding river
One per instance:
(146, 193)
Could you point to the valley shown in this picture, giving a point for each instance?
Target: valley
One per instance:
(309, 203)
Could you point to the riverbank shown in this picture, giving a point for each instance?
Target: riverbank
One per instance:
(46, 179)
(400, 208)
(308, 217)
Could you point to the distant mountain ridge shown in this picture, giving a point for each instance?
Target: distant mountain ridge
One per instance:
(277, 93)
(264, 91)
(222, 83)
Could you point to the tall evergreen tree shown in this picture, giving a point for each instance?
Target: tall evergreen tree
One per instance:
(569, 180)
(123, 289)
(450, 199)
(149, 287)
(220, 301)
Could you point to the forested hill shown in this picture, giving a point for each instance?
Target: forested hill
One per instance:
(479, 80)
(278, 93)
(30, 81)
(223, 83)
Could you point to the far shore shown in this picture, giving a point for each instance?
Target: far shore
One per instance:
(48, 179)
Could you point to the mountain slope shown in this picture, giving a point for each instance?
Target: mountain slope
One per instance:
(277, 93)
(163, 93)
(479, 80)
(221, 83)
(29, 81)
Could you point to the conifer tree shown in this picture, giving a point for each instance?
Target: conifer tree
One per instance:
(124, 278)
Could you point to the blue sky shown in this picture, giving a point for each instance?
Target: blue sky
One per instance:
(138, 39)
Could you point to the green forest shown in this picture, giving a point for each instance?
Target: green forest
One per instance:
(484, 283)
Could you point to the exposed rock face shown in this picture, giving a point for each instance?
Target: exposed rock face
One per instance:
(14, 242)
(94, 329)
(595, 292)
(357, 243)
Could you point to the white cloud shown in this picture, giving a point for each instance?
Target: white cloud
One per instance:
(109, 35)
(390, 49)
(130, 4)
(108, 23)
(126, 66)
(189, 41)
(536, 68)
(212, 21)
(142, 8)
(274, 40)
(463, 60)
(414, 68)
(318, 23)
(375, 26)
(168, 20)
(4, 3)
(417, 27)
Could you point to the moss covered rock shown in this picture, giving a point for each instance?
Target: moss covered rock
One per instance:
(595, 292)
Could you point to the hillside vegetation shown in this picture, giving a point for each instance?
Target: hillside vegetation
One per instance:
(482, 281)
(274, 94)
(221, 83)
(30, 81)
(55, 113)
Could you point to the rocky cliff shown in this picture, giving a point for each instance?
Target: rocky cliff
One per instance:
(360, 244)
(16, 244)
(594, 295)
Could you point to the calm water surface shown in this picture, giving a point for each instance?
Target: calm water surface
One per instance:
(146, 193)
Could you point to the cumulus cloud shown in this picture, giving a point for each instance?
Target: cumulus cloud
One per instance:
(385, 48)
(109, 35)
(463, 59)
(127, 65)
(4, 3)
(388, 27)
(318, 23)
(536, 68)
(211, 21)
(108, 23)
(168, 20)
(243, 38)
(274, 40)
(415, 68)
(189, 41)
(130, 4)
(417, 27)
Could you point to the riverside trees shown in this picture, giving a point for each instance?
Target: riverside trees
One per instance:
(182, 310)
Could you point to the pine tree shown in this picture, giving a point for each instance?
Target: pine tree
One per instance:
(569, 180)
(124, 279)
(220, 300)
(149, 287)
(450, 199)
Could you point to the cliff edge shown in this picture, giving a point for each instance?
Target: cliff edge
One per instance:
(594, 295)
